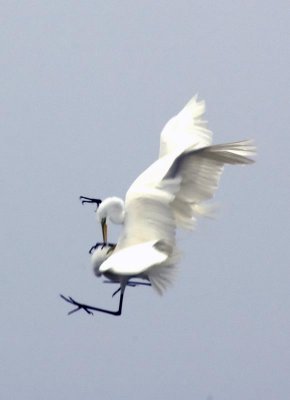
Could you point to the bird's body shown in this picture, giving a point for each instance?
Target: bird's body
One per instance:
(169, 194)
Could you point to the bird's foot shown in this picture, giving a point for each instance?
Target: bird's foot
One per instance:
(102, 245)
(79, 306)
(95, 246)
(88, 309)
(90, 200)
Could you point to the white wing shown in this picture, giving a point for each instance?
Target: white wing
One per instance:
(148, 215)
(171, 193)
(172, 190)
(186, 129)
(135, 259)
(148, 260)
(199, 172)
(168, 194)
(147, 242)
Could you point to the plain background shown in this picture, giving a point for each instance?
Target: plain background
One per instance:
(86, 87)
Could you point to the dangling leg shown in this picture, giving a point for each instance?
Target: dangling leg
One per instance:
(88, 309)
(90, 200)
(129, 283)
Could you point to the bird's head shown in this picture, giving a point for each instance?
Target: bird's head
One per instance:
(101, 254)
(112, 208)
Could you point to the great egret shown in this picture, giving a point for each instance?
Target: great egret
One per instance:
(170, 193)
(185, 130)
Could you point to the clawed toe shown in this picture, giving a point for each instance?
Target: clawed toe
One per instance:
(90, 200)
(102, 245)
(78, 305)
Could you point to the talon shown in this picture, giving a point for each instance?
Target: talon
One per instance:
(75, 303)
(103, 244)
(95, 246)
(92, 249)
(90, 200)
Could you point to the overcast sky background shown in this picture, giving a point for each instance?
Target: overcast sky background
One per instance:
(85, 90)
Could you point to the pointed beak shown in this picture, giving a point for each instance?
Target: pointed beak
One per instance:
(104, 230)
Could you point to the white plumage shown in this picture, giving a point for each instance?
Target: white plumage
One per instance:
(170, 193)
(186, 129)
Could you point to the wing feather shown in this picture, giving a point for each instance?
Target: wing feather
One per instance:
(172, 192)
(199, 172)
(186, 129)
(135, 259)
(148, 217)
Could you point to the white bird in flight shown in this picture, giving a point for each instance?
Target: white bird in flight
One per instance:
(170, 194)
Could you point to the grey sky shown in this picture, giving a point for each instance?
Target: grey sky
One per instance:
(86, 87)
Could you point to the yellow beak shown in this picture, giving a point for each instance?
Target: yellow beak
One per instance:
(104, 230)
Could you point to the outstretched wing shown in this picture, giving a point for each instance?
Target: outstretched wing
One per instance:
(168, 194)
(186, 129)
(172, 191)
(199, 172)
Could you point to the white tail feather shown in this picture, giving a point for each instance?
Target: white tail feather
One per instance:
(162, 276)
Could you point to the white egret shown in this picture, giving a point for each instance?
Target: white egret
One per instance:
(185, 130)
(170, 193)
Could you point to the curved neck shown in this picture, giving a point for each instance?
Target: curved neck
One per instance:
(112, 208)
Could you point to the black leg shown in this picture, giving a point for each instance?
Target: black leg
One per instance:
(90, 200)
(88, 309)
(129, 283)
(116, 291)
